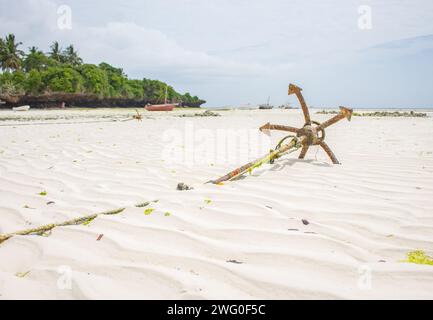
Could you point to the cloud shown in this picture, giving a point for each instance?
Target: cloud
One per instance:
(29, 20)
(143, 49)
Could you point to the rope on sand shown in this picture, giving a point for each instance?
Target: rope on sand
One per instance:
(80, 220)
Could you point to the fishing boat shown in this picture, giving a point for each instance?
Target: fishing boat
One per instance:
(161, 107)
(266, 105)
(21, 108)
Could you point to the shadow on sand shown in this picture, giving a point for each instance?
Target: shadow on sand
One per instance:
(280, 165)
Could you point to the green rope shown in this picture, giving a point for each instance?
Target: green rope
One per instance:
(278, 146)
(76, 221)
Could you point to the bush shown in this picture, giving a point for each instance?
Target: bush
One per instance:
(95, 80)
(33, 83)
(12, 83)
(62, 79)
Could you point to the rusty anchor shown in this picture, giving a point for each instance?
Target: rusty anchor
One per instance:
(311, 134)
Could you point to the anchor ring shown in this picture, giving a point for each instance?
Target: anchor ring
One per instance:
(320, 134)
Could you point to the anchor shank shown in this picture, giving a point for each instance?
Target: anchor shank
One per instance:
(303, 151)
(294, 143)
(294, 89)
(304, 107)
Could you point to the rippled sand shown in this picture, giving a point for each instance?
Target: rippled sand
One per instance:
(241, 240)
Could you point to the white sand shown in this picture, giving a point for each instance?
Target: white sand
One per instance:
(364, 215)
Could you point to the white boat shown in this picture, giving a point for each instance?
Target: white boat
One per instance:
(21, 108)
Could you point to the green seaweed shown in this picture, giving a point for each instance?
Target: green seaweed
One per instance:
(141, 205)
(43, 193)
(115, 211)
(145, 204)
(148, 211)
(419, 257)
(22, 274)
(87, 222)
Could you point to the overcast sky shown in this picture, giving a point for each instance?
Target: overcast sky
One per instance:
(239, 52)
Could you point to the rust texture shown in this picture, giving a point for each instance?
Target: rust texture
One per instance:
(293, 89)
(269, 126)
(313, 132)
(295, 143)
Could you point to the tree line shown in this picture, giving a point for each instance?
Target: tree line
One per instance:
(62, 70)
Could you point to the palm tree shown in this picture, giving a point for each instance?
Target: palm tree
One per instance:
(2, 51)
(35, 59)
(56, 52)
(34, 50)
(71, 56)
(10, 55)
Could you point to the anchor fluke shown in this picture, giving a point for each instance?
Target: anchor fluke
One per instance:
(346, 112)
(293, 89)
(266, 129)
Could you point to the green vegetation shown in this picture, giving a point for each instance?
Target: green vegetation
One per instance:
(148, 211)
(22, 274)
(419, 257)
(63, 71)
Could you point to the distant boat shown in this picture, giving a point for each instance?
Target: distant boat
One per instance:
(266, 105)
(286, 106)
(21, 108)
(161, 107)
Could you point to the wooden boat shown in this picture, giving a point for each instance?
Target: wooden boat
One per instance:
(161, 107)
(21, 108)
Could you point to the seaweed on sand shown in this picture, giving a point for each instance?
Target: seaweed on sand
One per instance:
(419, 257)
(77, 221)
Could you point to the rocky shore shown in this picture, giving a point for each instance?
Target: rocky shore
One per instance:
(80, 100)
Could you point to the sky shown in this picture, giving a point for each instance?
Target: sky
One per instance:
(355, 53)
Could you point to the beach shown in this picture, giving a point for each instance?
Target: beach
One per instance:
(294, 229)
